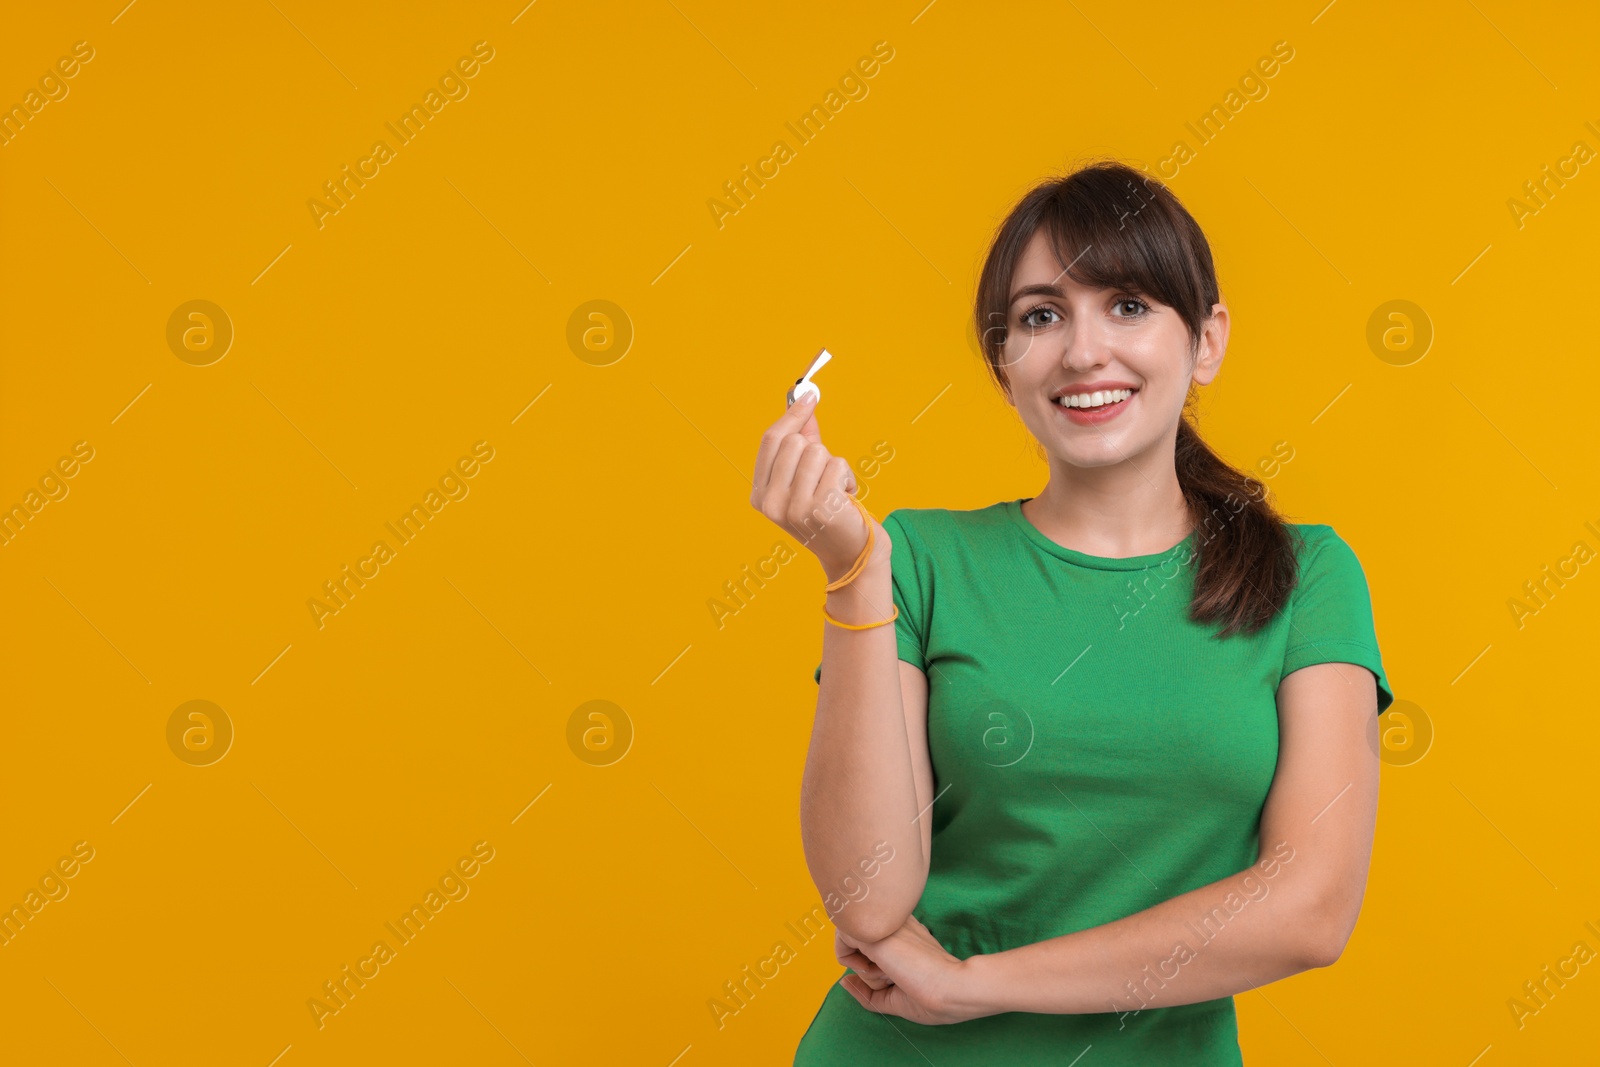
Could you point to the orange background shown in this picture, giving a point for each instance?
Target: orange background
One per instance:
(433, 711)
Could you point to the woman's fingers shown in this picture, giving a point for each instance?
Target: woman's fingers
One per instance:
(879, 981)
(799, 415)
(808, 471)
(840, 475)
(853, 987)
(780, 490)
(849, 954)
(869, 974)
(805, 489)
(809, 428)
(891, 1000)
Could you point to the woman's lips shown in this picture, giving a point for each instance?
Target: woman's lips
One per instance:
(1095, 416)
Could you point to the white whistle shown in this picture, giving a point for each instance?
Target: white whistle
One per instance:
(804, 384)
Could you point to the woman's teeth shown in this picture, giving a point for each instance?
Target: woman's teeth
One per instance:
(1094, 400)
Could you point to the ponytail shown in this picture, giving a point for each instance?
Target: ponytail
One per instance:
(1246, 565)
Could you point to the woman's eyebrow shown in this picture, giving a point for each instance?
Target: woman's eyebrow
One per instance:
(1040, 289)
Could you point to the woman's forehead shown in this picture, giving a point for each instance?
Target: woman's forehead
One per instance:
(1040, 263)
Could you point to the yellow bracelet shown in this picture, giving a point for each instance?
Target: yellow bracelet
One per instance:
(864, 626)
(861, 560)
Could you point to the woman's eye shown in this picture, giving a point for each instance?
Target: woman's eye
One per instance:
(1139, 306)
(1029, 319)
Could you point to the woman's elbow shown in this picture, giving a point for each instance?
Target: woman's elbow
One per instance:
(1327, 931)
(1322, 952)
(866, 927)
(873, 918)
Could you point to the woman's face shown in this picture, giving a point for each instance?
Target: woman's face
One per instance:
(1067, 339)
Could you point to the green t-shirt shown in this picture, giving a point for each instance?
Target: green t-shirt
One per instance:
(1094, 754)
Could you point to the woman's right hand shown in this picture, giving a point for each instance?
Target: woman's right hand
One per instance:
(805, 489)
(847, 950)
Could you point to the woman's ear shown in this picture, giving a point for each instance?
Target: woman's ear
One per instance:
(1213, 344)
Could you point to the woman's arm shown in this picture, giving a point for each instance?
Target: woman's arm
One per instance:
(868, 770)
(1292, 911)
(868, 775)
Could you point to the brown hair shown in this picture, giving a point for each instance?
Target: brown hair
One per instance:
(1116, 227)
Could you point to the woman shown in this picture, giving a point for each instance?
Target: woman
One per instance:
(1085, 764)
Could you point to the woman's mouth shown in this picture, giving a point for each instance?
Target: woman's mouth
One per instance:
(1090, 409)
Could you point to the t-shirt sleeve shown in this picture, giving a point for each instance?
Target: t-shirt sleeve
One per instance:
(907, 588)
(1330, 612)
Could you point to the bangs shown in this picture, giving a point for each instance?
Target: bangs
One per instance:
(1108, 238)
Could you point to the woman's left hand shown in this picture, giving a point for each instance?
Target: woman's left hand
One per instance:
(930, 986)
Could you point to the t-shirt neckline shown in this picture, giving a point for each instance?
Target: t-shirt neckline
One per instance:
(1084, 559)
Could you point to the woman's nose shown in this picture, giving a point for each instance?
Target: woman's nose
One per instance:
(1084, 349)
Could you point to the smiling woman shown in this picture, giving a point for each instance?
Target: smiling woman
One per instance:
(1164, 760)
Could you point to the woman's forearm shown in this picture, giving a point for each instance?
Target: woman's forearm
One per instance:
(1237, 933)
(858, 793)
